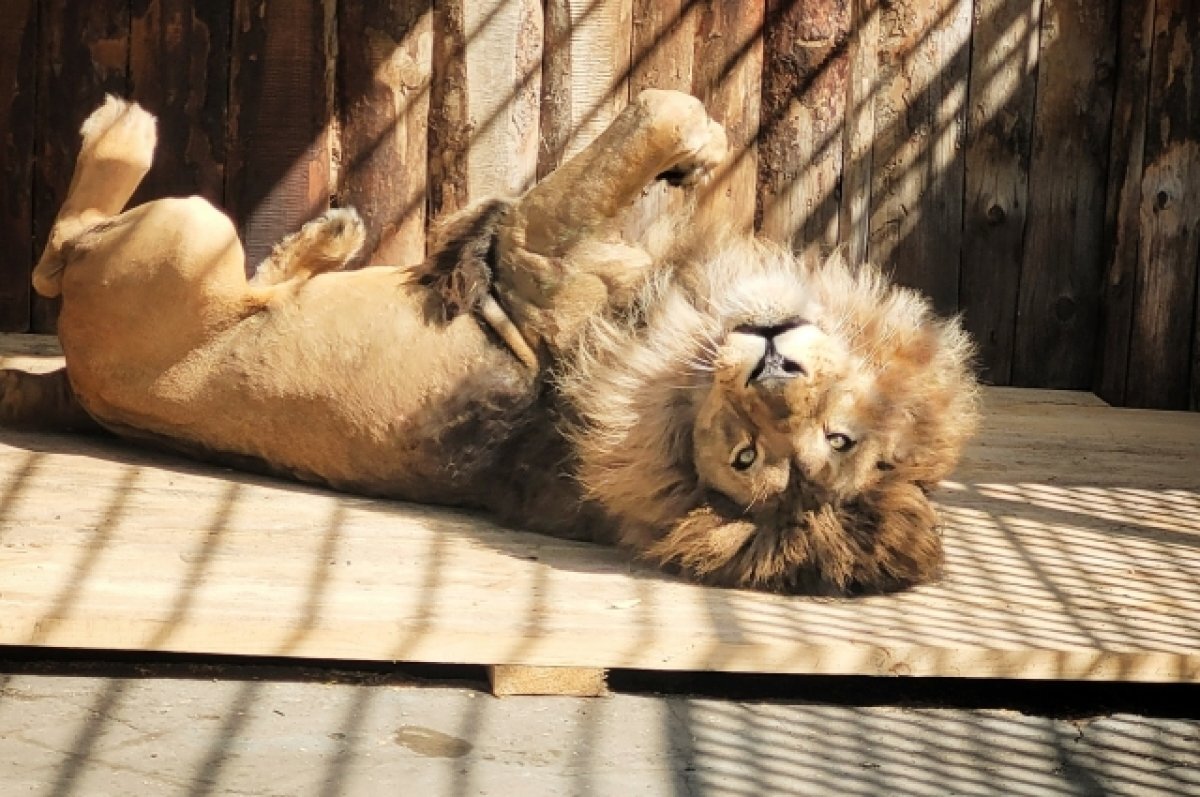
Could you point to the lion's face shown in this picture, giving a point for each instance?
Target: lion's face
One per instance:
(761, 426)
(769, 388)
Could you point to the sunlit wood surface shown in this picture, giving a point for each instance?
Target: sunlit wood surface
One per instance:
(1073, 551)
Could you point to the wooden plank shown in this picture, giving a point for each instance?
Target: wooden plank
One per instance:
(1169, 216)
(727, 77)
(33, 353)
(1125, 166)
(18, 60)
(83, 54)
(803, 116)
(179, 71)
(384, 65)
(515, 679)
(280, 105)
(662, 47)
(1061, 272)
(1072, 535)
(1003, 68)
(503, 71)
(586, 80)
(449, 112)
(920, 119)
(862, 86)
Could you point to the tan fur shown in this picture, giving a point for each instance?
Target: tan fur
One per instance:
(536, 364)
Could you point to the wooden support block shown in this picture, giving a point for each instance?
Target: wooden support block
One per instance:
(517, 679)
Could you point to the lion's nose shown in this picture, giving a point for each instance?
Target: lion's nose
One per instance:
(774, 365)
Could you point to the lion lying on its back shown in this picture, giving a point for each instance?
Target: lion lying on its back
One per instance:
(712, 406)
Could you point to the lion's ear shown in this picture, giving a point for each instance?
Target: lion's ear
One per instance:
(460, 266)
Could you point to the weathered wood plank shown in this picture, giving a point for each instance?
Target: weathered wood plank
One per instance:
(384, 62)
(1058, 304)
(179, 71)
(515, 679)
(503, 70)
(1125, 165)
(1000, 122)
(449, 134)
(862, 86)
(586, 80)
(804, 92)
(1073, 552)
(1160, 356)
(920, 119)
(83, 53)
(18, 74)
(280, 105)
(727, 77)
(662, 47)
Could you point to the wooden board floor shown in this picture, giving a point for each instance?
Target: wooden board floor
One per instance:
(1073, 552)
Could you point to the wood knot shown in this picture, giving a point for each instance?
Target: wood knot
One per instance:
(1161, 200)
(996, 215)
(1064, 309)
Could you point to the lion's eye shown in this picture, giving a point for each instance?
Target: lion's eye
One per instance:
(744, 457)
(840, 442)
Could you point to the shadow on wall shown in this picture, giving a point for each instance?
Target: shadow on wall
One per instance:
(973, 149)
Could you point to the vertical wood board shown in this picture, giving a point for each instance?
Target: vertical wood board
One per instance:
(1160, 350)
(920, 118)
(280, 109)
(727, 74)
(1061, 272)
(18, 59)
(385, 61)
(862, 86)
(662, 49)
(503, 71)
(179, 71)
(804, 93)
(1125, 164)
(1000, 122)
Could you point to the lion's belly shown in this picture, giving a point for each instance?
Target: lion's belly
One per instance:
(346, 383)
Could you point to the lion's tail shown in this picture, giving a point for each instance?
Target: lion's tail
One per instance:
(117, 150)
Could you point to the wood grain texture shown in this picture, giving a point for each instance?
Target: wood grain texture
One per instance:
(1073, 552)
(920, 121)
(1058, 303)
(83, 54)
(18, 73)
(384, 65)
(1160, 348)
(662, 48)
(515, 679)
(804, 93)
(862, 85)
(179, 71)
(449, 135)
(1000, 122)
(279, 111)
(592, 42)
(503, 71)
(727, 73)
(1126, 158)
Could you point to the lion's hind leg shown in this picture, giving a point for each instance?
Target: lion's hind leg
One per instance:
(41, 401)
(117, 151)
(327, 243)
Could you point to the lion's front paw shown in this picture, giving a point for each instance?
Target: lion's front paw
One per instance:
(701, 162)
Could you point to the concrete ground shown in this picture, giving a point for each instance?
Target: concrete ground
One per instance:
(178, 732)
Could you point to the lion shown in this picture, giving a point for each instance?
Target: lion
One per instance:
(702, 399)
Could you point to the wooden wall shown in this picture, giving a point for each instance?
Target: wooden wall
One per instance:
(1033, 164)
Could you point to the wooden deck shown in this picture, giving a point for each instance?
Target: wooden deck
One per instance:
(1072, 532)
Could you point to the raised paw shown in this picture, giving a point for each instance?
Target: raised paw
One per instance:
(327, 243)
(120, 131)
